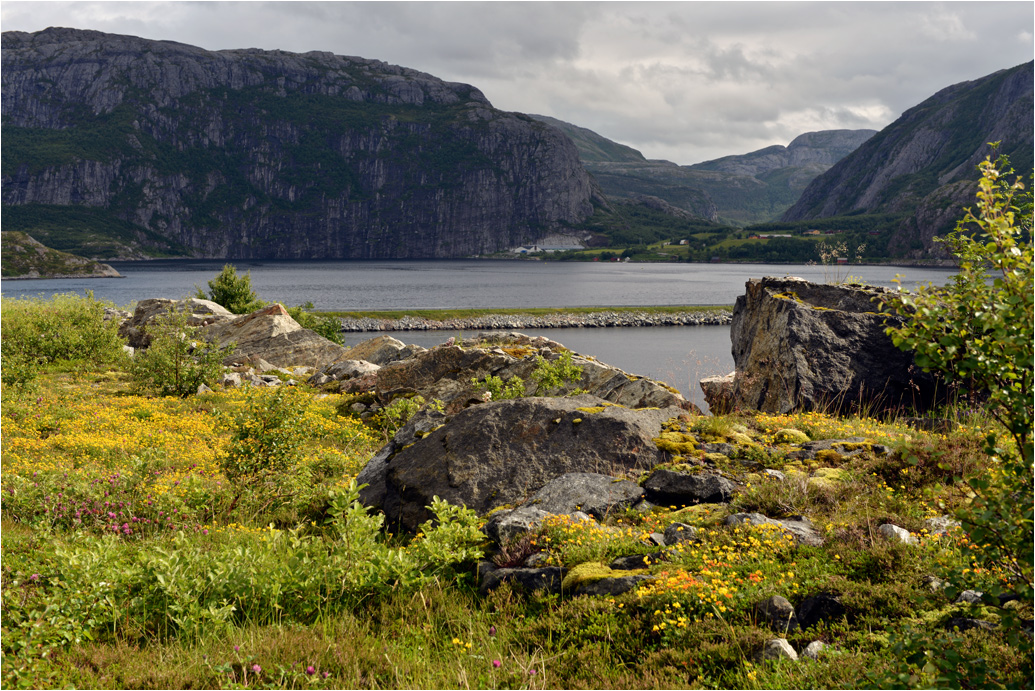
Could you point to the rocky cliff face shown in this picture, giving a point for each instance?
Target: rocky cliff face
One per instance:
(915, 165)
(267, 154)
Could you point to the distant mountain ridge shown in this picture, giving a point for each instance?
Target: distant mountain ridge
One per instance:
(740, 189)
(268, 154)
(923, 165)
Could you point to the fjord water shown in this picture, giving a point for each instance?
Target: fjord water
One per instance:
(677, 355)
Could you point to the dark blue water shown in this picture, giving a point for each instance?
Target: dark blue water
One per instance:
(679, 355)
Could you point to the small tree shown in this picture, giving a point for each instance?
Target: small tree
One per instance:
(232, 291)
(979, 332)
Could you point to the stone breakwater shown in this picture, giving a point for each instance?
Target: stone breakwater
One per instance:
(588, 320)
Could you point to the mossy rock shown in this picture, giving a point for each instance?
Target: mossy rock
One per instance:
(829, 457)
(790, 435)
(741, 438)
(587, 572)
(829, 478)
(716, 458)
(678, 443)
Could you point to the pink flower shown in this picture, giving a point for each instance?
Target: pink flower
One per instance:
(310, 670)
(256, 669)
(496, 663)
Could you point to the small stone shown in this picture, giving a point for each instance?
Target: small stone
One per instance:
(203, 389)
(679, 532)
(778, 613)
(970, 597)
(813, 649)
(776, 649)
(893, 532)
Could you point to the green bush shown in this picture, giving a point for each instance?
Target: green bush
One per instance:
(178, 360)
(267, 436)
(36, 332)
(232, 291)
(980, 333)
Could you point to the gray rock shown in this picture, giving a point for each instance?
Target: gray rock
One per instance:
(719, 393)
(777, 613)
(382, 350)
(672, 488)
(530, 580)
(502, 452)
(505, 526)
(679, 532)
(612, 586)
(801, 529)
(343, 369)
(271, 334)
(893, 532)
(773, 474)
(231, 379)
(595, 494)
(375, 472)
(970, 597)
(966, 624)
(776, 649)
(633, 562)
(202, 388)
(941, 525)
(813, 650)
(801, 346)
(656, 539)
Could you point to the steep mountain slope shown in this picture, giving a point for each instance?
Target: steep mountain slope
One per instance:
(742, 189)
(268, 154)
(922, 166)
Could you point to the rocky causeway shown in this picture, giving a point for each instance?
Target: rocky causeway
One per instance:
(590, 320)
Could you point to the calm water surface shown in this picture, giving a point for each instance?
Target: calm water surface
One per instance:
(399, 285)
(679, 355)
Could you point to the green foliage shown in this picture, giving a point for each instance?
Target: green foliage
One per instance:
(498, 390)
(267, 435)
(981, 334)
(232, 291)
(178, 360)
(549, 376)
(68, 327)
(327, 326)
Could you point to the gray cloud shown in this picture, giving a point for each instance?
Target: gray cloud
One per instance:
(685, 81)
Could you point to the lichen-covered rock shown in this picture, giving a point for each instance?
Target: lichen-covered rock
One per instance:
(672, 488)
(596, 494)
(718, 393)
(272, 334)
(804, 346)
(382, 350)
(502, 452)
(504, 526)
(801, 529)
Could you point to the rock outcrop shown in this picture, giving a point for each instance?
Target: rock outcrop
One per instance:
(447, 373)
(268, 334)
(805, 346)
(499, 453)
(24, 257)
(270, 154)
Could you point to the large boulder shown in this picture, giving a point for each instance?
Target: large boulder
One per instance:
(805, 346)
(199, 313)
(500, 453)
(446, 373)
(382, 350)
(272, 334)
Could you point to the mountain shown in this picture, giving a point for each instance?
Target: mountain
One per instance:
(152, 148)
(922, 166)
(744, 189)
(23, 257)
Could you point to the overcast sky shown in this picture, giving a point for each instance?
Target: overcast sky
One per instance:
(682, 81)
